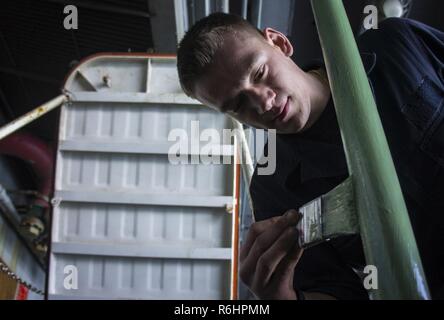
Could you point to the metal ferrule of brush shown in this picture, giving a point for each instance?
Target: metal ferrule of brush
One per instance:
(310, 226)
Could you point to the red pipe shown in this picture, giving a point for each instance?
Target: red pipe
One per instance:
(38, 154)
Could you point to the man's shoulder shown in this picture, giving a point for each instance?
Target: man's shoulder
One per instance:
(393, 31)
(402, 48)
(387, 31)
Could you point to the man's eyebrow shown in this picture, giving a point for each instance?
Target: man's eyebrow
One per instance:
(252, 62)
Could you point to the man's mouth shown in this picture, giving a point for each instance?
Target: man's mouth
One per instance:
(284, 111)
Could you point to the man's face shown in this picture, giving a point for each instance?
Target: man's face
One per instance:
(255, 81)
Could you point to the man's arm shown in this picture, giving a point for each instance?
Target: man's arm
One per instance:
(321, 271)
(269, 256)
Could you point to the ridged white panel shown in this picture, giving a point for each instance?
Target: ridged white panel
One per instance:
(132, 278)
(136, 123)
(149, 225)
(150, 173)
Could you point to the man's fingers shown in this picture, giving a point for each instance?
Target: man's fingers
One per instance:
(257, 229)
(285, 270)
(263, 242)
(268, 261)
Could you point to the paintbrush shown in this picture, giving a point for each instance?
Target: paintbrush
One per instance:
(328, 216)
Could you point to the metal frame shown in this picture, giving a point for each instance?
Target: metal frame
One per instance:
(152, 251)
(144, 199)
(122, 147)
(32, 115)
(79, 204)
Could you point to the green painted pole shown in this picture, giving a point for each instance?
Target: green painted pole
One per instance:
(386, 232)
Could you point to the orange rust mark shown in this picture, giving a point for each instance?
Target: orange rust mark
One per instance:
(235, 244)
(40, 110)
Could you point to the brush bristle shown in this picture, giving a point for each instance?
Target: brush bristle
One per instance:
(333, 214)
(339, 211)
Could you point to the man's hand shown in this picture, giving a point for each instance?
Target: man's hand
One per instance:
(269, 256)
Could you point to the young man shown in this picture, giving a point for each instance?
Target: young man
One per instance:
(232, 67)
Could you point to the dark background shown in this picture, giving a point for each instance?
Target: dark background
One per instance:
(36, 52)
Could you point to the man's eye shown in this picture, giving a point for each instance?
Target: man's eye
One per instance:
(260, 73)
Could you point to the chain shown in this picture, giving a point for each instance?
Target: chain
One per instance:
(4, 268)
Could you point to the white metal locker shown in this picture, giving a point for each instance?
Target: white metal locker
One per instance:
(134, 225)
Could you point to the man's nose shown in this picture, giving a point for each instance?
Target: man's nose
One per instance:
(262, 98)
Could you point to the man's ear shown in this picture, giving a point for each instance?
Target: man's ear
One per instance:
(279, 40)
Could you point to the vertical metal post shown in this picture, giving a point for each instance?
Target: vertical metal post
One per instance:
(389, 243)
(207, 7)
(244, 9)
(222, 6)
(181, 14)
(256, 16)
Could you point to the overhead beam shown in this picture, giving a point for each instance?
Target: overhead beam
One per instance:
(103, 7)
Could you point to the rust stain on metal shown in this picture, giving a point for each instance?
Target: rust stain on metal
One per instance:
(40, 110)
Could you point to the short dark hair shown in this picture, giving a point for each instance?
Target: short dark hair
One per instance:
(199, 45)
